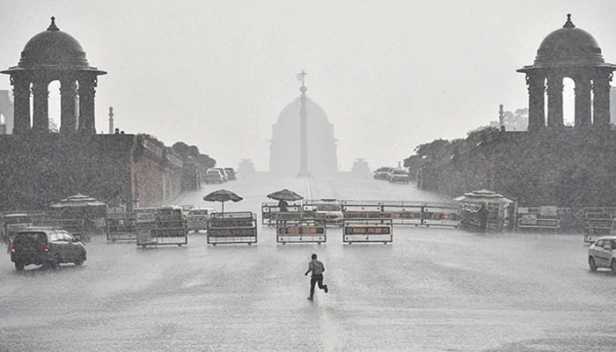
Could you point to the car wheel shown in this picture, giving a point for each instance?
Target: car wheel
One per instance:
(19, 266)
(592, 264)
(613, 266)
(55, 263)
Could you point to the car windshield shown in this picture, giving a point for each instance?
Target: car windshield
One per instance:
(328, 207)
(400, 172)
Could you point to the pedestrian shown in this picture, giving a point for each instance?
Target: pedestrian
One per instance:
(317, 268)
(282, 204)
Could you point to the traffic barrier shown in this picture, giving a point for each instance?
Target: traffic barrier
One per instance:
(405, 213)
(234, 227)
(172, 232)
(121, 227)
(270, 210)
(301, 234)
(367, 230)
(597, 222)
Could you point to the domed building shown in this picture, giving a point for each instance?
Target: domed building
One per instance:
(54, 55)
(40, 168)
(285, 143)
(574, 53)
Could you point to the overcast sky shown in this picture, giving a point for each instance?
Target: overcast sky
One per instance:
(390, 74)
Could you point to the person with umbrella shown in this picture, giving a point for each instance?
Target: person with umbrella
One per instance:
(282, 197)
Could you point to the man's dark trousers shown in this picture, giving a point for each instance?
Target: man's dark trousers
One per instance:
(313, 280)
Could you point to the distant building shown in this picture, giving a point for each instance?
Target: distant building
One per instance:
(361, 169)
(246, 169)
(40, 167)
(285, 146)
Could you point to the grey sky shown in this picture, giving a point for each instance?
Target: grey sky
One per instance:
(389, 74)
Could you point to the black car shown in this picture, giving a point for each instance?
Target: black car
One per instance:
(46, 246)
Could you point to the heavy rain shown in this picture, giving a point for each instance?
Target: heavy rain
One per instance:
(293, 176)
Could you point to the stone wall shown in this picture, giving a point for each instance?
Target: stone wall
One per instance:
(39, 169)
(557, 167)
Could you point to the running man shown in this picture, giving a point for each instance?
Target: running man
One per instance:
(317, 269)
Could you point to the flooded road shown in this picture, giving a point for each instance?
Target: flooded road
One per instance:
(432, 289)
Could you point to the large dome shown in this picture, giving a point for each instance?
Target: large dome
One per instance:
(53, 48)
(569, 46)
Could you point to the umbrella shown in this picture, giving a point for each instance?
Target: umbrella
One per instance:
(222, 195)
(285, 194)
(78, 200)
(482, 196)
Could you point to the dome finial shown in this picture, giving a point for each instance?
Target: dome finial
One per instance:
(52, 26)
(569, 24)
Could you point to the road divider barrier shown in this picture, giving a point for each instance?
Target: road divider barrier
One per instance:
(232, 228)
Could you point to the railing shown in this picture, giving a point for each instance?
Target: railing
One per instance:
(299, 231)
(234, 227)
(368, 230)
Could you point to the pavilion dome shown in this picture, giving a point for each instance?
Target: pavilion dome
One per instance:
(569, 46)
(53, 48)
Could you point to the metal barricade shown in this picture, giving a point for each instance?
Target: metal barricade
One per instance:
(291, 228)
(597, 222)
(270, 210)
(234, 227)
(405, 213)
(368, 230)
(160, 226)
(164, 232)
(121, 227)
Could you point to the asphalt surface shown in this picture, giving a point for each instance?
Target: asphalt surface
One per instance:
(430, 290)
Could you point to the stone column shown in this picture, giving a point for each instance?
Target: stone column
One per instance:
(68, 92)
(87, 91)
(536, 102)
(601, 101)
(21, 104)
(40, 120)
(582, 102)
(555, 101)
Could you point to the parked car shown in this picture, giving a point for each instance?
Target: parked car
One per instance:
(602, 254)
(46, 246)
(223, 173)
(230, 173)
(382, 173)
(214, 176)
(197, 218)
(399, 175)
(329, 211)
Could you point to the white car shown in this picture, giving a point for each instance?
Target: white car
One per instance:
(214, 176)
(602, 254)
(329, 211)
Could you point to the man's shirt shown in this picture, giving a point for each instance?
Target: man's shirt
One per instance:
(316, 267)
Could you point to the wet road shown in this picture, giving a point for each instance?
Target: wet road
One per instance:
(431, 290)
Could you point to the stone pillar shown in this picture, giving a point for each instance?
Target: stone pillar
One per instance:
(40, 120)
(555, 101)
(21, 104)
(582, 102)
(68, 92)
(87, 91)
(601, 101)
(536, 102)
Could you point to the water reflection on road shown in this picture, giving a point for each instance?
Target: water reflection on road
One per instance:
(430, 290)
